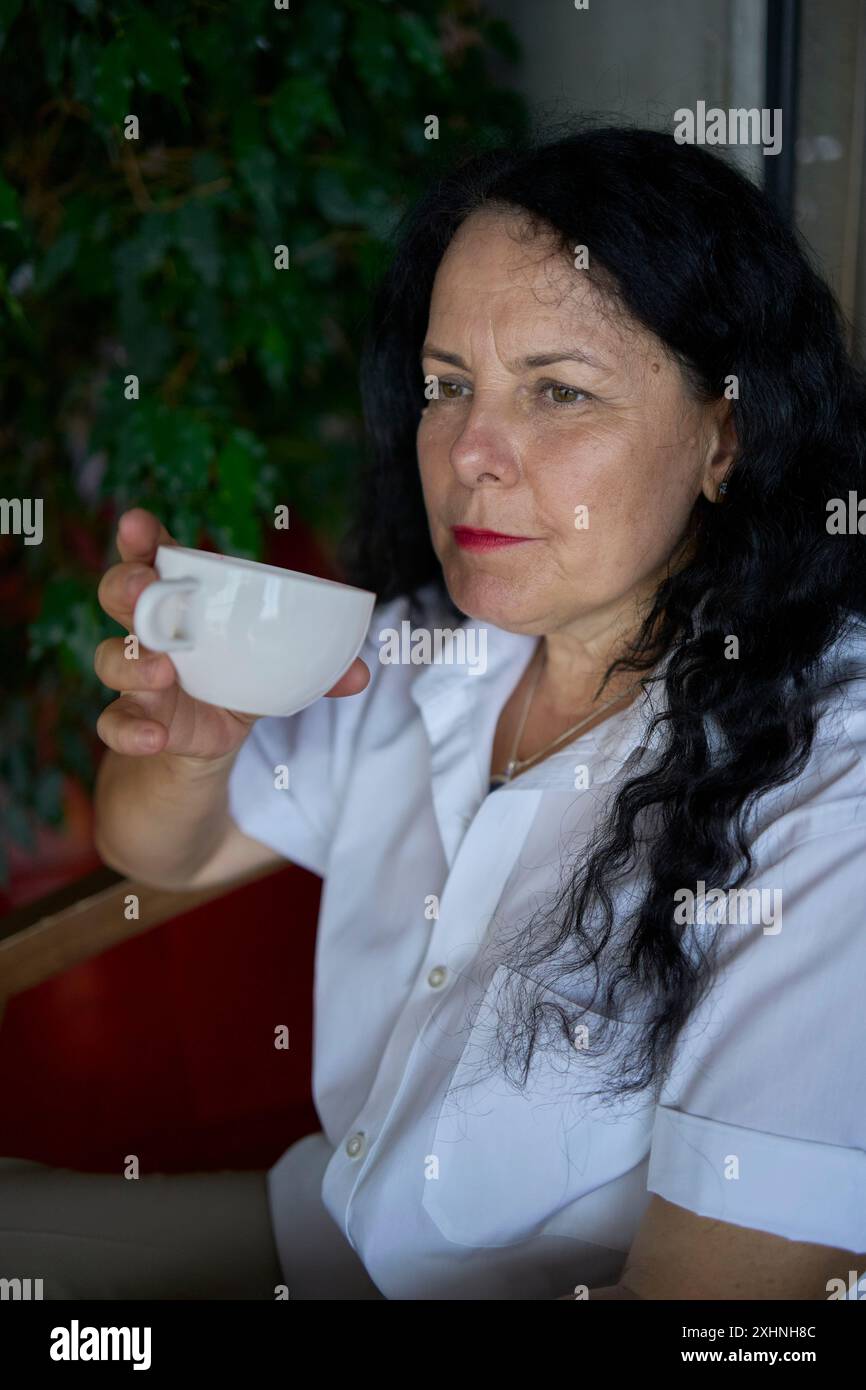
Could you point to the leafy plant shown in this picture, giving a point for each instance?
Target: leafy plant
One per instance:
(153, 351)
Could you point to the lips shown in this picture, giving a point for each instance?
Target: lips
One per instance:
(468, 538)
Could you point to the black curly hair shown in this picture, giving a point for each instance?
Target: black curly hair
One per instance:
(696, 254)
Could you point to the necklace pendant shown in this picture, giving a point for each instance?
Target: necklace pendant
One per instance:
(499, 779)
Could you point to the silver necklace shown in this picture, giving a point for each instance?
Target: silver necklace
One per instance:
(515, 764)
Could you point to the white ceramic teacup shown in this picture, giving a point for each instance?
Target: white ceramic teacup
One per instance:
(247, 636)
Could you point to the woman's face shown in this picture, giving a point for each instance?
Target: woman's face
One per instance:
(516, 445)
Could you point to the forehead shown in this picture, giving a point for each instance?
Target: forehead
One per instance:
(502, 271)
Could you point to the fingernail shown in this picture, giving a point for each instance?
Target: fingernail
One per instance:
(147, 738)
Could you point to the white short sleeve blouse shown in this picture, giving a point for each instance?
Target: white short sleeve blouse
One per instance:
(444, 1179)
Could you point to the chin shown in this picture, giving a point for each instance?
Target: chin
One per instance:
(500, 599)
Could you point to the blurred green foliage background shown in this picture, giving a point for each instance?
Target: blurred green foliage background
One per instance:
(258, 127)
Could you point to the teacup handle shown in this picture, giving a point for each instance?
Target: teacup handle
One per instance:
(156, 618)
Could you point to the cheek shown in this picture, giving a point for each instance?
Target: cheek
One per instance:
(433, 442)
(425, 455)
(591, 468)
(433, 472)
(611, 500)
(435, 430)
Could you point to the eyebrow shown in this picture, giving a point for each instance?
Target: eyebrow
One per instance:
(536, 359)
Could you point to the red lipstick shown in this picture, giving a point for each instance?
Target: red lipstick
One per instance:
(468, 538)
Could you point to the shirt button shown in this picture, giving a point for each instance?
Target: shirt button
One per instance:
(355, 1145)
(437, 976)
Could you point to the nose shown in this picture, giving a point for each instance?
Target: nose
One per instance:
(485, 450)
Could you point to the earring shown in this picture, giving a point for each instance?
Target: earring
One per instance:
(723, 487)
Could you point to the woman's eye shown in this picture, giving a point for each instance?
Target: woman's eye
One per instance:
(563, 395)
(449, 390)
(556, 392)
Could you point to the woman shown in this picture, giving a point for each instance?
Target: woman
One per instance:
(590, 950)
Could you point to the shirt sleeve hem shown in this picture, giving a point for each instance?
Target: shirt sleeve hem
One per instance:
(294, 842)
(795, 1188)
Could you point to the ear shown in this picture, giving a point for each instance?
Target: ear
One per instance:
(722, 448)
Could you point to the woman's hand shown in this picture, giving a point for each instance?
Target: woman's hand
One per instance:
(153, 714)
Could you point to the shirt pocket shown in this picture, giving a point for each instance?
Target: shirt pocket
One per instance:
(508, 1160)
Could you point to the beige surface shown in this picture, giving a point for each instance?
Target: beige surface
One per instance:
(161, 1236)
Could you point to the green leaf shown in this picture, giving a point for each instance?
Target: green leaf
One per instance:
(375, 54)
(48, 799)
(373, 258)
(275, 355)
(299, 106)
(59, 258)
(196, 233)
(420, 43)
(54, 40)
(184, 521)
(8, 12)
(212, 48)
(82, 56)
(246, 130)
(160, 453)
(10, 210)
(259, 172)
(318, 38)
(49, 629)
(13, 308)
(155, 56)
(112, 82)
(148, 340)
(140, 255)
(205, 322)
(350, 200)
(233, 510)
(70, 625)
(207, 167)
(180, 451)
